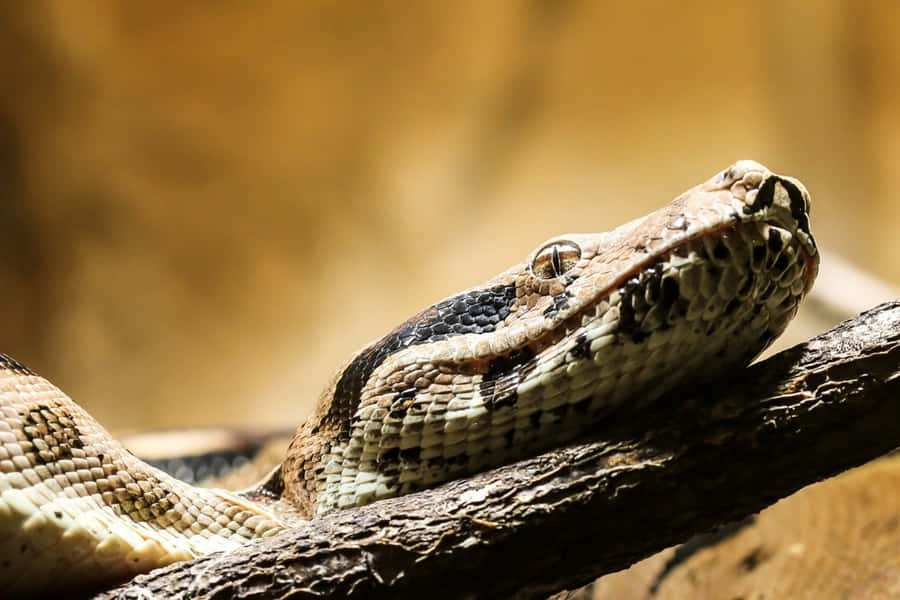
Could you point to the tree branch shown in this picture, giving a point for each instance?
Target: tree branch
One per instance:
(559, 520)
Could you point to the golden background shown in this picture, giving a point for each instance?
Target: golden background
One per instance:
(207, 207)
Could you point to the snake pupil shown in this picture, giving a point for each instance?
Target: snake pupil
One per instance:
(555, 259)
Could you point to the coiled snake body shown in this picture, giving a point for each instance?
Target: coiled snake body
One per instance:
(523, 362)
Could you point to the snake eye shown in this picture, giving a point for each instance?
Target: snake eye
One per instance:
(555, 258)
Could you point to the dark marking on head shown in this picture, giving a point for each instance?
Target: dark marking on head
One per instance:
(514, 361)
(759, 254)
(775, 242)
(669, 294)
(782, 263)
(798, 206)
(582, 347)
(627, 322)
(799, 209)
(720, 251)
(560, 302)
(653, 282)
(764, 197)
(390, 455)
(475, 311)
(392, 470)
(402, 403)
(411, 454)
(504, 374)
(633, 309)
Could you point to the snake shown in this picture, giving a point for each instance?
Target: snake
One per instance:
(588, 329)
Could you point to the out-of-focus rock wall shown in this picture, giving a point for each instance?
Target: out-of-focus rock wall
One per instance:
(207, 207)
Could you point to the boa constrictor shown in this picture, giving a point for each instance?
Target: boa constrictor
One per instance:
(539, 354)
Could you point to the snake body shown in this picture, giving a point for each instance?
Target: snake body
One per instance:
(588, 326)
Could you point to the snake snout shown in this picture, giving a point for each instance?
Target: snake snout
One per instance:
(777, 191)
(781, 201)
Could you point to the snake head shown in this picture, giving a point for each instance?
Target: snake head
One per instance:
(758, 194)
(589, 324)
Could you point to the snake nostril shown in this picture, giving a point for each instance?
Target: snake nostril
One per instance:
(727, 174)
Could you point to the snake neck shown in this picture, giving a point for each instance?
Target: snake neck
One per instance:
(291, 489)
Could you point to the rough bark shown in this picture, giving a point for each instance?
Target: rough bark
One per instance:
(561, 519)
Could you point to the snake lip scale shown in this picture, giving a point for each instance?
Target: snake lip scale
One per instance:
(541, 353)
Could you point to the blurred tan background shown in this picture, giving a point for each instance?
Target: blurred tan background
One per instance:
(206, 208)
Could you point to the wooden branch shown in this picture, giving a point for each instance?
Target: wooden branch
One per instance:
(561, 519)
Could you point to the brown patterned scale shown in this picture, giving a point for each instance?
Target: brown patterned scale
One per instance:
(590, 325)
